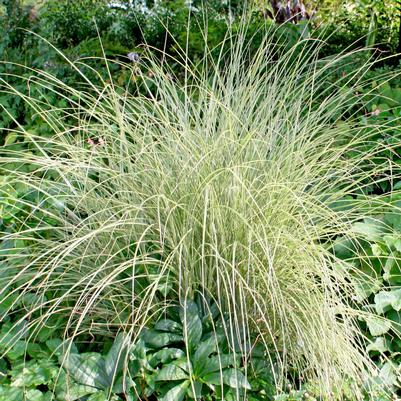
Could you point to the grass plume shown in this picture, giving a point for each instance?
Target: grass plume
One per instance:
(225, 183)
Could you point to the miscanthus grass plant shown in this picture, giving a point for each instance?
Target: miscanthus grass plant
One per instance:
(230, 181)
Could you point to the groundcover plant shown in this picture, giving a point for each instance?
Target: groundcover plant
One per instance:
(230, 183)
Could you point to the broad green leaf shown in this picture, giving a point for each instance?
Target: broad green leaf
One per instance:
(10, 333)
(383, 301)
(395, 318)
(231, 377)
(394, 219)
(171, 372)
(370, 229)
(98, 396)
(219, 362)
(388, 374)
(36, 351)
(49, 327)
(392, 242)
(3, 368)
(378, 326)
(392, 270)
(168, 325)
(72, 392)
(9, 300)
(202, 353)
(235, 378)
(165, 355)
(17, 351)
(55, 346)
(58, 347)
(177, 393)
(183, 363)
(35, 395)
(138, 350)
(195, 390)
(32, 300)
(11, 394)
(122, 383)
(88, 369)
(344, 248)
(364, 287)
(396, 302)
(116, 357)
(138, 358)
(192, 324)
(159, 339)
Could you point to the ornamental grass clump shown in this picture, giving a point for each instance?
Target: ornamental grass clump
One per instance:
(230, 181)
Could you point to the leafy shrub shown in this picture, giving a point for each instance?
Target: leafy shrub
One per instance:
(185, 358)
(376, 256)
(14, 17)
(67, 23)
(348, 23)
(206, 366)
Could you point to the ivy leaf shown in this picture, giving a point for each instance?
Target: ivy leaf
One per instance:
(36, 395)
(32, 373)
(17, 351)
(388, 374)
(36, 351)
(379, 345)
(386, 299)
(394, 219)
(177, 393)
(378, 326)
(11, 394)
(383, 301)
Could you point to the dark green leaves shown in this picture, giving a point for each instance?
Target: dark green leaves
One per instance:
(171, 372)
(192, 324)
(159, 339)
(177, 393)
(231, 377)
